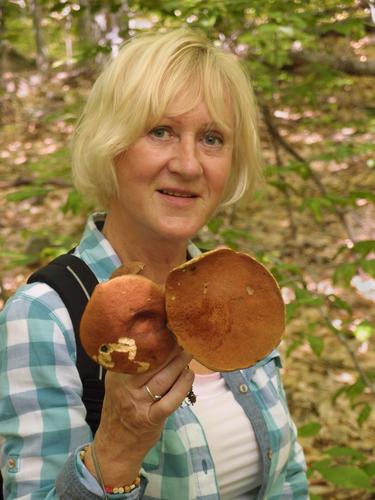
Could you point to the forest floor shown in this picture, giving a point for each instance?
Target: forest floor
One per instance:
(37, 121)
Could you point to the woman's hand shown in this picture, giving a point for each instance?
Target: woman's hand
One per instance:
(132, 421)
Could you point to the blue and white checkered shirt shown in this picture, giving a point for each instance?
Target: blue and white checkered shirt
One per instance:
(42, 417)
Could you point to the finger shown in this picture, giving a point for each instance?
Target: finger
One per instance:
(116, 382)
(162, 381)
(139, 380)
(169, 403)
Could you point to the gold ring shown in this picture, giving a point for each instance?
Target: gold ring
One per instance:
(154, 397)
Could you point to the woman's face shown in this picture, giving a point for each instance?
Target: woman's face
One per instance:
(172, 179)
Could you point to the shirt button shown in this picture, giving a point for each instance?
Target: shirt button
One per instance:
(12, 463)
(243, 388)
(269, 453)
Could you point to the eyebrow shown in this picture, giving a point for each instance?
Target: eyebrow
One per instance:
(206, 126)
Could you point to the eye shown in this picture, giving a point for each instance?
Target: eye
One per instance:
(213, 138)
(161, 132)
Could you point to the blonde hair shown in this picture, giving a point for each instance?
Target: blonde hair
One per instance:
(133, 91)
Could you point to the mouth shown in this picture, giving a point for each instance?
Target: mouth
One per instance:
(177, 193)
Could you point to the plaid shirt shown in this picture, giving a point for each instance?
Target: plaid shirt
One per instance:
(42, 418)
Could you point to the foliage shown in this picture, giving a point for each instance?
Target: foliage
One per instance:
(346, 467)
(298, 100)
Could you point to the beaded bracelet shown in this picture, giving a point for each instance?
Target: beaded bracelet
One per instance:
(124, 489)
(119, 490)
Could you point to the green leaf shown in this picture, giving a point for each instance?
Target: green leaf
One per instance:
(368, 266)
(73, 203)
(364, 247)
(369, 469)
(291, 310)
(215, 224)
(316, 205)
(366, 195)
(323, 464)
(339, 303)
(292, 347)
(233, 236)
(303, 170)
(355, 389)
(27, 193)
(344, 273)
(309, 430)
(364, 331)
(337, 199)
(347, 27)
(347, 476)
(206, 245)
(316, 344)
(306, 298)
(237, 233)
(208, 22)
(281, 186)
(364, 414)
(338, 393)
(345, 451)
(18, 259)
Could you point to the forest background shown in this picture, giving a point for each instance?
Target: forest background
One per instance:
(311, 223)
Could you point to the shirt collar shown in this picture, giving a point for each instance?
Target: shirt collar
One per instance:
(97, 252)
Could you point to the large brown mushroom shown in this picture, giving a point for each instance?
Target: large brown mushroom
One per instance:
(124, 325)
(223, 307)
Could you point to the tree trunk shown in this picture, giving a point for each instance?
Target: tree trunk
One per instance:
(85, 22)
(2, 40)
(68, 41)
(123, 20)
(41, 48)
(346, 64)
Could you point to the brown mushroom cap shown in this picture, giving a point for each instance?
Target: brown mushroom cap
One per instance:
(225, 308)
(123, 327)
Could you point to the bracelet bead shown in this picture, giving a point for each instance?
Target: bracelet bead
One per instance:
(123, 489)
(112, 490)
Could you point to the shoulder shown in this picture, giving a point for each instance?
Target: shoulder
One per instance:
(268, 366)
(34, 298)
(33, 311)
(273, 357)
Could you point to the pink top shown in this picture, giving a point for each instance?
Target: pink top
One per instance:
(230, 437)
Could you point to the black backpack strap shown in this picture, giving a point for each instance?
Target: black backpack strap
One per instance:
(74, 281)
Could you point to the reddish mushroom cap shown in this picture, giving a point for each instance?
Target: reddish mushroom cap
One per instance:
(225, 308)
(123, 327)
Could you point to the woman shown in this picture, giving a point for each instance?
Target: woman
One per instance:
(168, 135)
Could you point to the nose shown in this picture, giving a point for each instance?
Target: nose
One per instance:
(186, 159)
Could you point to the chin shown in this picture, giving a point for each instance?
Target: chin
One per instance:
(183, 231)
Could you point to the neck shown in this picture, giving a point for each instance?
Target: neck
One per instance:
(158, 255)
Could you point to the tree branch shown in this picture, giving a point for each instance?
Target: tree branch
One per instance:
(344, 341)
(275, 144)
(346, 64)
(356, 363)
(23, 181)
(277, 137)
